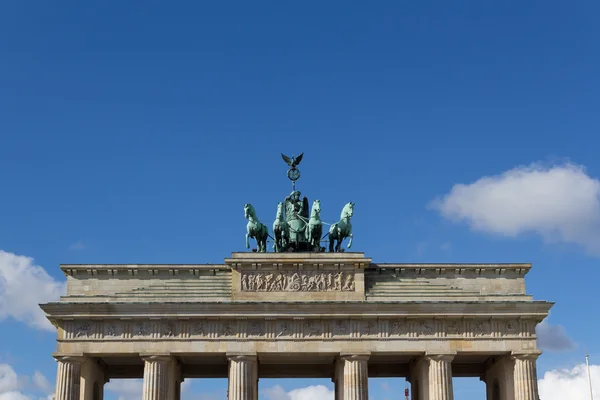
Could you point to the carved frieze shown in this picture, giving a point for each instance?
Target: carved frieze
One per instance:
(296, 328)
(168, 329)
(284, 329)
(512, 327)
(142, 328)
(84, 330)
(298, 281)
(453, 327)
(112, 329)
(426, 328)
(399, 327)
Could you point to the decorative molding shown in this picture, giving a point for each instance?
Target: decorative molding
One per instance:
(297, 281)
(300, 328)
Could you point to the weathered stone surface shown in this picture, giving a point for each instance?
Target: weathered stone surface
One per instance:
(68, 378)
(259, 311)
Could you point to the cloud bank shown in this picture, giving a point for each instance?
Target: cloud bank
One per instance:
(24, 285)
(553, 337)
(12, 386)
(559, 203)
(572, 383)
(317, 392)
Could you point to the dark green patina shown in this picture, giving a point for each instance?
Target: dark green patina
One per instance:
(295, 228)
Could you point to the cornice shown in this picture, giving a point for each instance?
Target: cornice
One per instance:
(320, 259)
(528, 309)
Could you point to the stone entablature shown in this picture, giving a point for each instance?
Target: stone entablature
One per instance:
(297, 328)
(332, 315)
(304, 277)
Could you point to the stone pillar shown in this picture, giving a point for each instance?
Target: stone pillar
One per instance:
(68, 378)
(440, 377)
(93, 378)
(338, 379)
(156, 378)
(525, 376)
(354, 372)
(243, 377)
(499, 378)
(418, 377)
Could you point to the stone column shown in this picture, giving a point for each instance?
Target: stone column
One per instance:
(525, 376)
(243, 377)
(499, 377)
(338, 379)
(68, 377)
(355, 385)
(156, 377)
(93, 378)
(440, 377)
(418, 376)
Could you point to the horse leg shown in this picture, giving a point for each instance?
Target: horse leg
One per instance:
(351, 237)
(247, 241)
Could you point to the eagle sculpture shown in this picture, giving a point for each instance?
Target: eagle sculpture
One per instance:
(292, 162)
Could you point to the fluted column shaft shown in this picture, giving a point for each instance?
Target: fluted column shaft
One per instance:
(67, 378)
(525, 377)
(156, 374)
(440, 377)
(356, 377)
(243, 377)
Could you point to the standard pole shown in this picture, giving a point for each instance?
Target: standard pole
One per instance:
(587, 363)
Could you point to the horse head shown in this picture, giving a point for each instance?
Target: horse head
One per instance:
(279, 215)
(249, 211)
(316, 209)
(348, 211)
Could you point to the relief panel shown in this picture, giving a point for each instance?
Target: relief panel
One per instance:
(298, 281)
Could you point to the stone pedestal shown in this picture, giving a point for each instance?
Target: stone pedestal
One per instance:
(68, 378)
(156, 378)
(525, 376)
(243, 377)
(352, 377)
(440, 377)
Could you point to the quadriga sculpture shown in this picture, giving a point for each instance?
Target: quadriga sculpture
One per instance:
(255, 229)
(341, 229)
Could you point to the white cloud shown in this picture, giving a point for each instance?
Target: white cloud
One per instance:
(560, 203)
(79, 245)
(40, 381)
(14, 396)
(23, 285)
(126, 389)
(553, 337)
(317, 392)
(131, 389)
(8, 379)
(11, 384)
(569, 383)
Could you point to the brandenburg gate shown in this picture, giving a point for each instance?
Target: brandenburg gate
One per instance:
(300, 311)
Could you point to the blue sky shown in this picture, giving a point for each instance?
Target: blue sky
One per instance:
(134, 132)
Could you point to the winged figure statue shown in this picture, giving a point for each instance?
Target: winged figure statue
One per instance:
(293, 161)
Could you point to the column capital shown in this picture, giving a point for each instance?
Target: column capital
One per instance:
(531, 355)
(355, 356)
(70, 358)
(448, 357)
(156, 357)
(242, 357)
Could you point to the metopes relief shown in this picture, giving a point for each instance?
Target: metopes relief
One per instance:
(292, 281)
(298, 328)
